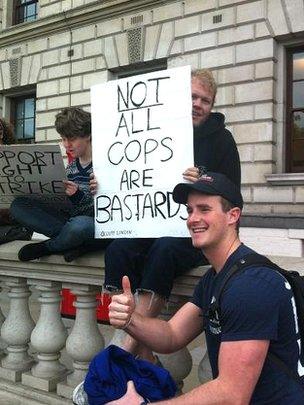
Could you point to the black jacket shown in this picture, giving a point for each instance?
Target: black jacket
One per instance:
(215, 148)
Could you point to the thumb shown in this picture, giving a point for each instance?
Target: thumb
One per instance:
(130, 386)
(126, 286)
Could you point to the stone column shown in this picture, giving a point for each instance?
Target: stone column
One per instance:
(48, 338)
(16, 331)
(204, 369)
(85, 339)
(179, 364)
(2, 319)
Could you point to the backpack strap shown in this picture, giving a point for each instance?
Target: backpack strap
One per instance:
(295, 281)
(282, 366)
(214, 309)
(253, 259)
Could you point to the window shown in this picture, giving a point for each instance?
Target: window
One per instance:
(139, 68)
(23, 113)
(25, 10)
(295, 111)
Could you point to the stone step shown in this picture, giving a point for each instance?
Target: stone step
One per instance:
(17, 394)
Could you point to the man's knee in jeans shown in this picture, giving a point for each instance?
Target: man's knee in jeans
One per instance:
(180, 248)
(163, 246)
(17, 207)
(121, 253)
(80, 226)
(122, 245)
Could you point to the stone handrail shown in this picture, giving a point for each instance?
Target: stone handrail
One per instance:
(31, 357)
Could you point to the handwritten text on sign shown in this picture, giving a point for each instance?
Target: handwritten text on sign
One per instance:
(142, 143)
(30, 169)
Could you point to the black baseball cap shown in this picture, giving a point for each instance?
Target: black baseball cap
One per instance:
(213, 184)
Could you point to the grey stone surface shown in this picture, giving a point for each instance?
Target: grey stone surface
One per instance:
(11, 393)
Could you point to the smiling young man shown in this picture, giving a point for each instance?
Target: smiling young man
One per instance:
(257, 312)
(70, 224)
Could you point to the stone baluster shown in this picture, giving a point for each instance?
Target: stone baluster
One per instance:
(2, 318)
(2, 343)
(179, 364)
(16, 330)
(85, 339)
(204, 369)
(48, 338)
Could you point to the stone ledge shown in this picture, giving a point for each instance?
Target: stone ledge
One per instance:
(283, 179)
(77, 16)
(283, 221)
(88, 269)
(28, 395)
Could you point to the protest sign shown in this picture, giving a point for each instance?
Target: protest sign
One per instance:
(142, 138)
(31, 169)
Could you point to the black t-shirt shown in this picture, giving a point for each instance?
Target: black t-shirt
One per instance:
(257, 305)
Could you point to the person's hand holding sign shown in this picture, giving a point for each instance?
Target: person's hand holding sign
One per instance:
(70, 187)
(191, 174)
(93, 184)
(122, 306)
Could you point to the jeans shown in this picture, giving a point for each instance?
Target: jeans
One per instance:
(53, 220)
(150, 264)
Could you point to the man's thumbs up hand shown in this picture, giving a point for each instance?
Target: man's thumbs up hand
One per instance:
(126, 286)
(122, 306)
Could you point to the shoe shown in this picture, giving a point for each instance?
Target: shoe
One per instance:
(9, 233)
(71, 255)
(157, 362)
(33, 251)
(80, 397)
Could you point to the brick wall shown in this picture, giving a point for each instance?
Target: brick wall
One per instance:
(237, 39)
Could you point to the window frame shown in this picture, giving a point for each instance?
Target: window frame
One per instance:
(289, 107)
(13, 114)
(19, 6)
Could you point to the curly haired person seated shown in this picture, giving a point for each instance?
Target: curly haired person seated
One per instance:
(70, 224)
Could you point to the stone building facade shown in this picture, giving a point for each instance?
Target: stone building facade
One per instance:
(72, 44)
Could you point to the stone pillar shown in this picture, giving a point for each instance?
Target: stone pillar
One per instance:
(85, 339)
(118, 337)
(48, 338)
(2, 319)
(204, 369)
(16, 331)
(179, 364)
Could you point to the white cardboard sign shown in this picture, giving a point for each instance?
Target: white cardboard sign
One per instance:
(31, 169)
(142, 138)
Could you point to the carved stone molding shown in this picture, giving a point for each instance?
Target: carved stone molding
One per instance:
(135, 39)
(15, 71)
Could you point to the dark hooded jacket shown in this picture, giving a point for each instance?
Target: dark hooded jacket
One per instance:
(215, 148)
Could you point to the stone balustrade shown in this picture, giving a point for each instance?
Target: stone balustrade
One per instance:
(31, 363)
